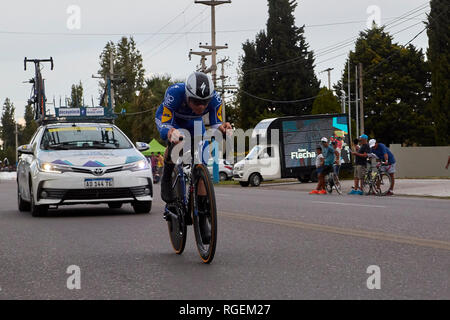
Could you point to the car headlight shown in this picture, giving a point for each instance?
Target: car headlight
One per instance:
(137, 166)
(53, 168)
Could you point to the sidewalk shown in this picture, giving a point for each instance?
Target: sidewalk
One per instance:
(403, 187)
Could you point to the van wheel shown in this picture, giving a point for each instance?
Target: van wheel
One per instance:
(314, 177)
(244, 183)
(303, 179)
(255, 180)
(223, 176)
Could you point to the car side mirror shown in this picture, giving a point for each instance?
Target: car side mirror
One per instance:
(25, 149)
(142, 146)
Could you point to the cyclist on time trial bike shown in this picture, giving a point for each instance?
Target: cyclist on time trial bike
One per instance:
(183, 107)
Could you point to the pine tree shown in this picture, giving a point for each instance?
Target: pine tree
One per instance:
(277, 66)
(439, 58)
(8, 124)
(30, 125)
(76, 96)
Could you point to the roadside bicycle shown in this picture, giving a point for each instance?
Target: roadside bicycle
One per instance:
(376, 182)
(332, 182)
(185, 211)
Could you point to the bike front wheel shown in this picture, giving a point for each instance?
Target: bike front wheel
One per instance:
(204, 214)
(337, 184)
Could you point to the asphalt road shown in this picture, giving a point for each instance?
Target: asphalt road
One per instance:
(273, 244)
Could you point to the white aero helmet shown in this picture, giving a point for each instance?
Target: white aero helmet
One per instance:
(199, 87)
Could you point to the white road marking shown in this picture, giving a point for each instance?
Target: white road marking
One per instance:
(349, 204)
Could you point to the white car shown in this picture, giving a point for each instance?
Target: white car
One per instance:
(225, 169)
(82, 163)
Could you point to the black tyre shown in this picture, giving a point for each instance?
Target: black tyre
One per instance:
(328, 184)
(244, 183)
(115, 205)
(22, 204)
(337, 184)
(142, 206)
(223, 176)
(383, 183)
(303, 179)
(176, 224)
(366, 185)
(314, 177)
(37, 210)
(177, 228)
(255, 180)
(207, 217)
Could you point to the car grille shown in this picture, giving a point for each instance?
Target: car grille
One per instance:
(96, 194)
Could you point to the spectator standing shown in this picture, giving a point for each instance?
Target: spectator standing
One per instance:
(337, 159)
(387, 158)
(320, 161)
(160, 163)
(360, 164)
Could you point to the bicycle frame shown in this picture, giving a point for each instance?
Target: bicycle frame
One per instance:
(38, 99)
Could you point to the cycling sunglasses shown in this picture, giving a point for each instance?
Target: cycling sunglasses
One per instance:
(198, 102)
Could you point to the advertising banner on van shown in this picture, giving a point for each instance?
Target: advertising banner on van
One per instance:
(301, 137)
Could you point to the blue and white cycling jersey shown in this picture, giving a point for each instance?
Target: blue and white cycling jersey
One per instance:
(175, 112)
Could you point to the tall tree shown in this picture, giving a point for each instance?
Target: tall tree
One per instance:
(128, 69)
(76, 96)
(396, 89)
(277, 66)
(439, 58)
(326, 102)
(30, 125)
(8, 124)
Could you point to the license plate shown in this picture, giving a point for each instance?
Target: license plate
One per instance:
(98, 183)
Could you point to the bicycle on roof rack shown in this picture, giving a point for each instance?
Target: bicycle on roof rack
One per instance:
(38, 98)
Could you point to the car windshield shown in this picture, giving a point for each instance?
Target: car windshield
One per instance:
(253, 153)
(83, 137)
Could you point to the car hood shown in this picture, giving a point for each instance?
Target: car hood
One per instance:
(91, 158)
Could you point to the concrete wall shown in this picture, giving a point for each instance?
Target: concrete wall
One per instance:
(420, 162)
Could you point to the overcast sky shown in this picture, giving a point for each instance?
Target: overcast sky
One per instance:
(39, 29)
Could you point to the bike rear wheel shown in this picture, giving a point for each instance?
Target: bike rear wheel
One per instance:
(337, 184)
(328, 184)
(176, 222)
(383, 183)
(367, 185)
(204, 217)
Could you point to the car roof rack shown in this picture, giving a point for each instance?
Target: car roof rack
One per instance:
(81, 114)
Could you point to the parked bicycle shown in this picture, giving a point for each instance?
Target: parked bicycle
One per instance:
(332, 182)
(376, 182)
(185, 211)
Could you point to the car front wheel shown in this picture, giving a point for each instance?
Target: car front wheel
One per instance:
(37, 210)
(22, 204)
(142, 206)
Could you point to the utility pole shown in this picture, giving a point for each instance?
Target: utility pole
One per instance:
(361, 96)
(224, 87)
(213, 48)
(110, 80)
(356, 101)
(203, 55)
(349, 103)
(329, 76)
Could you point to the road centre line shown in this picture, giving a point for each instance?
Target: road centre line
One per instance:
(436, 244)
(350, 204)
